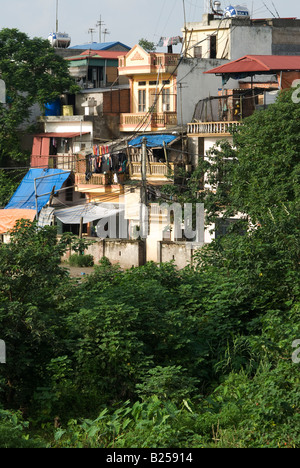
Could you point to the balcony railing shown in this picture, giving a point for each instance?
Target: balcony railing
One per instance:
(98, 179)
(154, 170)
(162, 120)
(211, 128)
(59, 161)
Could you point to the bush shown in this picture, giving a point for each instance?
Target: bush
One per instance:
(81, 260)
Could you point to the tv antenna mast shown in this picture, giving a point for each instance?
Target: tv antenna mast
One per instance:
(105, 32)
(56, 16)
(207, 6)
(99, 25)
(91, 32)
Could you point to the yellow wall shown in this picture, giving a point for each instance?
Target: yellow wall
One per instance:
(199, 35)
(151, 89)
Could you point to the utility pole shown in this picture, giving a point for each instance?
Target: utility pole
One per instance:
(99, 25)
(91, 32)
(57, 16)
(185, 29)
(181, 87)
(144, 211)
(105, 32)
(144, 172)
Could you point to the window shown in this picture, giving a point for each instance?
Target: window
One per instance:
(213, 47)
(142, 83)
(198, 52)
(142, 100)
(152, 83)
(166, 100)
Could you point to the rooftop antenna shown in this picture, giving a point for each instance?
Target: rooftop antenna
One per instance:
(57, 16)
(99, 25)
(106, 31)
(269, 10)
(276, 10)
(91, 32)
(207, 6)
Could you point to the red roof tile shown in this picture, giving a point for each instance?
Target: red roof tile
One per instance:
(107, 54)
(259, 64)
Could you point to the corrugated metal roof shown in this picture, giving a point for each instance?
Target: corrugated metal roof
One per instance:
(99, 46)
(98, 54)
(113, 54)
(259, 64)
(61, 135)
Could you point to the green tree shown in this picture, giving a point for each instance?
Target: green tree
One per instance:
(32, 297)
(147, 45)
(266, 177)
(9, 181)
(33, 73)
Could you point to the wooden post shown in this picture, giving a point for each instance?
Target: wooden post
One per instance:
(129, 159)
(166, 153)
(81, 228)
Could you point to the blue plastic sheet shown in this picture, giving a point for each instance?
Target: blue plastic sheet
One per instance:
(24, 196)
(153, 141)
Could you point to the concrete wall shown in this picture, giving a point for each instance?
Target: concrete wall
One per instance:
(196, 85)
(179, 252)
(249, 40)
(127, 253)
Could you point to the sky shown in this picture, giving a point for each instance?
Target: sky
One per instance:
(127, 21)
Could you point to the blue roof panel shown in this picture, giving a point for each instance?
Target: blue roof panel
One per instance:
(153, 141)
(98, 46)
(24, 196)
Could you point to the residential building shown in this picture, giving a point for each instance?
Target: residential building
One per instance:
(153, 90)
(217, 115)
(230, 38)
(114, 46)
(215, 41)
(96, 68)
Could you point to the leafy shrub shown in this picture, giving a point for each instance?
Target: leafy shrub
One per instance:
(13, 432)
(81, 260)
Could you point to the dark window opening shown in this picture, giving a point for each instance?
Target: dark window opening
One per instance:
(69, 191)
(213, 47)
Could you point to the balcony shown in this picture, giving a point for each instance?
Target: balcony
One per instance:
(141, 63)
(211, 129)
(97, 179)
(155, 171)
(63, 161)
(145, 122)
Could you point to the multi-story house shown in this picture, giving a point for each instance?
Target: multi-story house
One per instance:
(216, 40)
(153, 90)
(216, 116)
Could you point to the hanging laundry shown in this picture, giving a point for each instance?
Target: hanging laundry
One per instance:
(115, 162)
(168, 41)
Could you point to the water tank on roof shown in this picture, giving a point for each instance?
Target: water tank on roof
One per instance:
(236, 11)
(59, 40)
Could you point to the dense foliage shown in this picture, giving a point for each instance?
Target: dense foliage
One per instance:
(33, 74)
(153, 356)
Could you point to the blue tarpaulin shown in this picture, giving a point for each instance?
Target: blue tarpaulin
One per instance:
(153, 141)
(24, 197)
